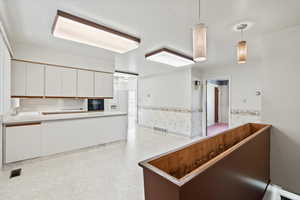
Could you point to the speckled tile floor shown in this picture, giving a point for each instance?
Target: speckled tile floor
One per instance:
(109, 172)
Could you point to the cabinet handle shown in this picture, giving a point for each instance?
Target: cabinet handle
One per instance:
(23, 124)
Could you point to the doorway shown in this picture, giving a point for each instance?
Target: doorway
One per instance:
(217, 106)
(125, 96)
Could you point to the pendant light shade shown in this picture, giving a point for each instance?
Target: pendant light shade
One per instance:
(242, 52)
(242, 44)
(199, 43)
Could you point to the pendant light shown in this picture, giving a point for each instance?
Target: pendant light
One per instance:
(199, 40)
(242, 46)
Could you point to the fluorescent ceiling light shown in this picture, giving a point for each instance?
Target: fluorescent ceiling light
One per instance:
(169, 57)
(70, 27)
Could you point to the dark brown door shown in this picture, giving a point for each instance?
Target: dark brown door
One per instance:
(216, 105)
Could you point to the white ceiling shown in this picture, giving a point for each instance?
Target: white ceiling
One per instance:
(159, 23)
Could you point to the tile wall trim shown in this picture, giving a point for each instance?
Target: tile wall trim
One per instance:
(245, 112)
(170, 109)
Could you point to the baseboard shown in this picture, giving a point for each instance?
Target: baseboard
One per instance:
(164, 132)
(288, 195)
(275, 192)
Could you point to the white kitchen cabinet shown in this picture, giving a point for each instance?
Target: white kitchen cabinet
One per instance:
(67, 135)
(34, 80)
(60, 82)
(37, 80)
(85, 83)
(103, 84)
(69, 82)
(18, 78)
(22, 142)
(52, 81)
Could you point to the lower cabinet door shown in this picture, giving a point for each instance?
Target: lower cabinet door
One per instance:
(67, 135)
(22, 142)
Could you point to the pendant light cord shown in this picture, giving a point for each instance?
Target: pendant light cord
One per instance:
(242, 34)
(199, 11)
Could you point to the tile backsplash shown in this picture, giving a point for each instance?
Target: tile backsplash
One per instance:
(37, 105)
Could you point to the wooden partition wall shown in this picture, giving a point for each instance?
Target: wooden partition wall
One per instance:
(232, 165)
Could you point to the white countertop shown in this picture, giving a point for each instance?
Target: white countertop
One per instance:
(39, 117)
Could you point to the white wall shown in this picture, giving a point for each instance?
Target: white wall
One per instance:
(55, 56)
(197, 104)
(224, 103)
(210, 104)
(44, 105)
(4, 72)
(172, 89)
(277, 76)
(280, 105)
(244, 81)
(165, 101)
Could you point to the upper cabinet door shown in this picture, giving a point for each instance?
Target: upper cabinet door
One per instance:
(69, 82)
(18, 78)
(35, 80)
(85, 83)
(103, 84)
(52, 81)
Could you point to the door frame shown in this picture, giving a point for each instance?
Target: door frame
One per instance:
(204, 100)
(217, 104)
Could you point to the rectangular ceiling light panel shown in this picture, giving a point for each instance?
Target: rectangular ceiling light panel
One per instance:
(70, 27)
(169, 57)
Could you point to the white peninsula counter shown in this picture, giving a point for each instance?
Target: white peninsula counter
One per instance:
(39, 135)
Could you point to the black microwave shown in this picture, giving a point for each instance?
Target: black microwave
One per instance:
(95, 104)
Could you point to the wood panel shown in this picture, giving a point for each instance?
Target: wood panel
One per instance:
(22, 124)
(244, 174)
(184, 161)
(232, 165)
(155, 184)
